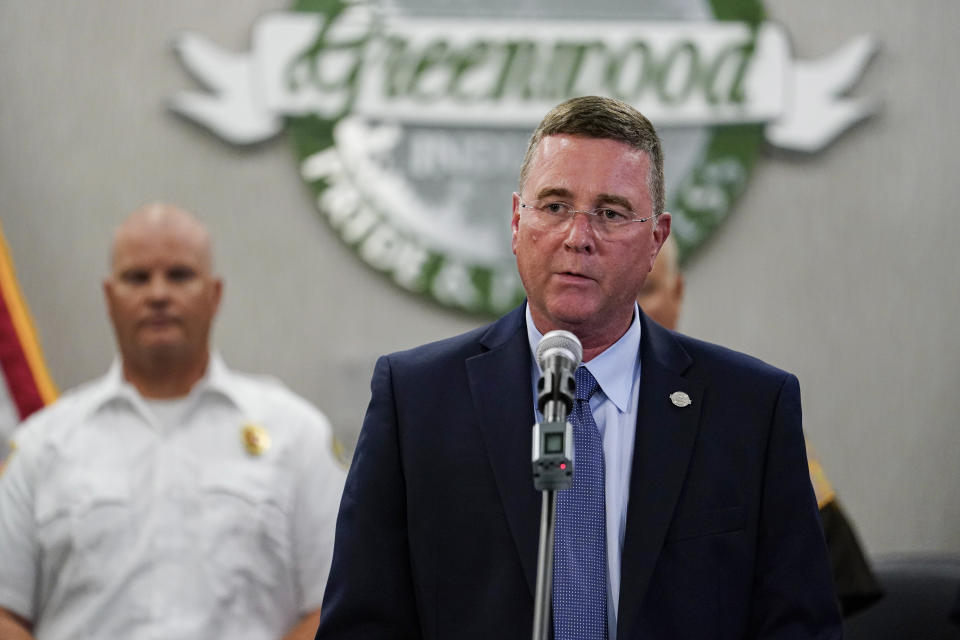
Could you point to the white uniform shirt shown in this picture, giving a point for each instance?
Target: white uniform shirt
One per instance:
(113, 525)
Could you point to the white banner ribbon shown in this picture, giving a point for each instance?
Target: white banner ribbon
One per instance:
(508, 73)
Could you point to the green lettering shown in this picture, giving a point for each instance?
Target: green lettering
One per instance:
(433, 54)
(555, 76)
(580, 50)
(684, 54)
(308, 67)
(618, 61)
(517, 70)
(397, 67)
(723, 78)
(462, 61)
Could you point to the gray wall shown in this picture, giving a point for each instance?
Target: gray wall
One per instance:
(838, 266)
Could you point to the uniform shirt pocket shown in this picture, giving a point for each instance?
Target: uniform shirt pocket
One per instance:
(84, 518)
(245, 524)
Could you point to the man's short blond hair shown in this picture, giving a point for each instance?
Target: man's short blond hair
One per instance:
(606, 118)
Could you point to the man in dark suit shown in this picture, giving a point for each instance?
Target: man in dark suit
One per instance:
(661, 299)
(710, 525)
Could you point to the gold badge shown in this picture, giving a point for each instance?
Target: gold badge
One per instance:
(256, 439)
(680, 399)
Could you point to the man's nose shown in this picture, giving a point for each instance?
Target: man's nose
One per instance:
(580, 234)
(158, 289)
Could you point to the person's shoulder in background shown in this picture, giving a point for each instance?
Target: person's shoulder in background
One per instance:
(856, 585)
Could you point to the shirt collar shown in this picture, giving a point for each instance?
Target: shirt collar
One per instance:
(615, 369)
(218, 379)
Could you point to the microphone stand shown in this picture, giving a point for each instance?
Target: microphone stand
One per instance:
(552, 470)
(541, 606)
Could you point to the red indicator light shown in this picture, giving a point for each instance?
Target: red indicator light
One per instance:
(563, 465)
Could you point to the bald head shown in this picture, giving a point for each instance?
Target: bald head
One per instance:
(162, 297)
(161, 219)
(669, 258)
(662, 293)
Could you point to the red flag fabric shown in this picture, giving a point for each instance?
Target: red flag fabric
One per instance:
(27, 385)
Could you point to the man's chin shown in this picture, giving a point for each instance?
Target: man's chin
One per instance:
(161, 349)
(590, 314)
(570, 314)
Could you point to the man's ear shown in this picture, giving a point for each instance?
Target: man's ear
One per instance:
(515, 222)
(660, 234)
(107, 285)
(217, 293)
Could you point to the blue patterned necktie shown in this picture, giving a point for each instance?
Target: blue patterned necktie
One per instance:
(580, 544)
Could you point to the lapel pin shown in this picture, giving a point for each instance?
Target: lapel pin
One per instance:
(256, 439)
(680, 399)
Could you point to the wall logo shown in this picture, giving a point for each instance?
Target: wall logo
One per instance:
(410, 117)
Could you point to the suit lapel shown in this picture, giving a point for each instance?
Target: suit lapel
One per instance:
(500, 384)
(502, 398)
(664, 443)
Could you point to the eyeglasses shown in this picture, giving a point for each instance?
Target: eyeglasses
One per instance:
(605, 221)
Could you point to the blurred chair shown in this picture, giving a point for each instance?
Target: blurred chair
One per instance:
(921, 590)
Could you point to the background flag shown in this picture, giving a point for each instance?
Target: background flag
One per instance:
(26, 384)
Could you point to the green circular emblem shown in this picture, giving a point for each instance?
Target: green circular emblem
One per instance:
(425, 111)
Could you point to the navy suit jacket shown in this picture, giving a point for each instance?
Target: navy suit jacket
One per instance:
(438, 528)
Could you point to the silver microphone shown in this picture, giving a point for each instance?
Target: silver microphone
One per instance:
(558, 354)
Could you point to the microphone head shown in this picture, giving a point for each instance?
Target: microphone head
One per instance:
(559, 343)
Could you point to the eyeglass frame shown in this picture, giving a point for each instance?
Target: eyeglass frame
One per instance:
(593, 213)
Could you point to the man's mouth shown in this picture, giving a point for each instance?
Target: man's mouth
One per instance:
(573, 275)
(158, 321)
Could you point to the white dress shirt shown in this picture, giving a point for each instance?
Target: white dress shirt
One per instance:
(117, 524)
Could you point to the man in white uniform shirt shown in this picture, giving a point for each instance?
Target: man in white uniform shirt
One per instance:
(172, 498)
